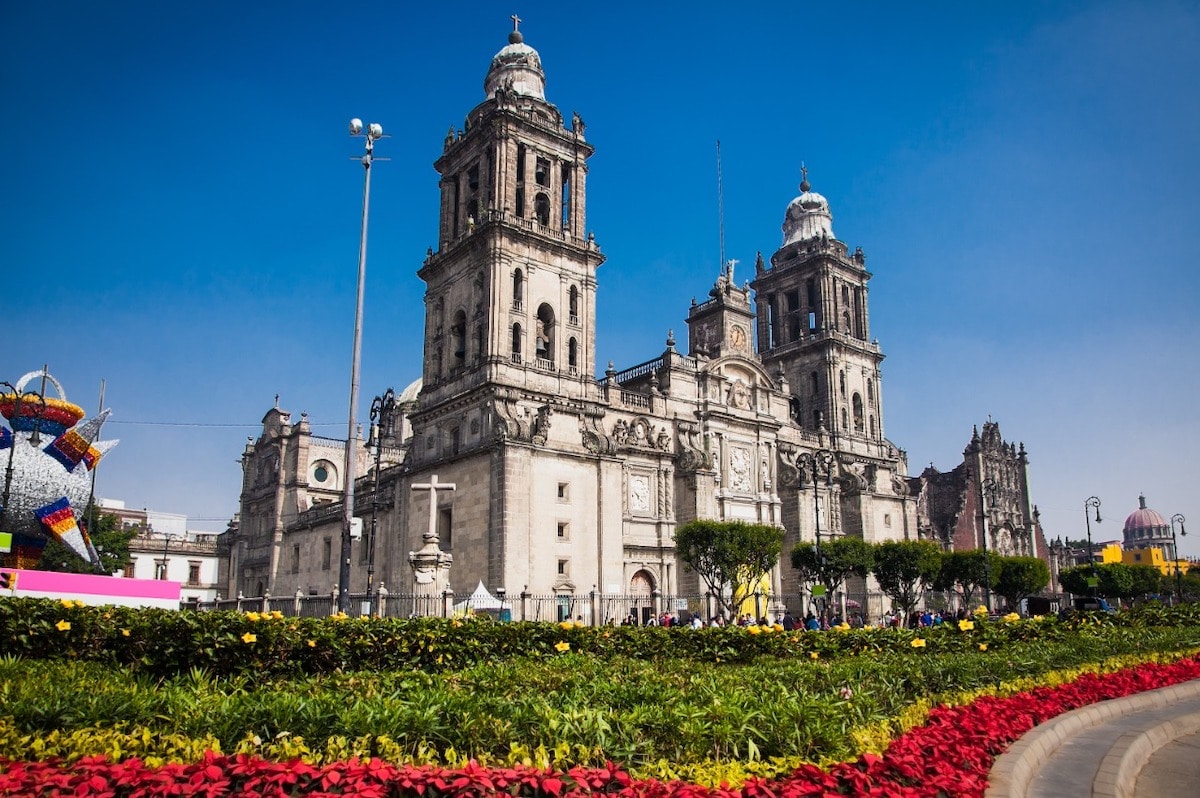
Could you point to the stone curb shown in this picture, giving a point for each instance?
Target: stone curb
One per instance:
(1014, 770)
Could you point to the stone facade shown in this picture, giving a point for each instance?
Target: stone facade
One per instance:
(565, 481)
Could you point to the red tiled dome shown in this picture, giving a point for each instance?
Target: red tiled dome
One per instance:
(1144, 518)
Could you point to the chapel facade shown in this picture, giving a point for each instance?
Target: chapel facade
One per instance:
(567, 480)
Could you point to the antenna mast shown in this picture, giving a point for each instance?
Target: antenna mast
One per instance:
(720, 207)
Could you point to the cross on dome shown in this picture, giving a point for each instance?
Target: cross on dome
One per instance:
(804, 184)
(515, 37)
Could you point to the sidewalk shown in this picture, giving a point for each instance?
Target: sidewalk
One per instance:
(1142, 746)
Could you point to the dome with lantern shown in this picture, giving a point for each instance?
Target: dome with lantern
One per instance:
(807, 216)
(516, 68)
(1146, 527)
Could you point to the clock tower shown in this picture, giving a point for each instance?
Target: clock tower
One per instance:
(722, 325)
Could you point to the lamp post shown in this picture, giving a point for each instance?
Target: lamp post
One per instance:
(988, 491)
(1177, 519)
(166, 546)
(373, 133)
(820, 461)
(382, 410)
(1091, 502)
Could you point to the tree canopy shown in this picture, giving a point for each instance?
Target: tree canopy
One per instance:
(838, 559)
(732, 554)
(1020, 578)
(906, 568)
(970, 570)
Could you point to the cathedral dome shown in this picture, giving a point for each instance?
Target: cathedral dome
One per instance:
(409, 395)
(807, 216)
(517, 68)
(1144, 518)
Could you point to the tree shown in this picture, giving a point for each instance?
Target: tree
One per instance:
(1114, 580)
(1147, 581)
(905, 569)
(729, 553)
(1020, 578)
(970, 570)
(839, 558)
(109, 538)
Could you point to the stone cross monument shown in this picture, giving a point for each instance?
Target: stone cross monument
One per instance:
(431, 565)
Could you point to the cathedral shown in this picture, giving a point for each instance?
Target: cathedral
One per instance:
(518, 462)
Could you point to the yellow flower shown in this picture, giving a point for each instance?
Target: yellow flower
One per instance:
(566, 624)
(63, 625)
(778, 627)
(814, 655)
(753, 630)
(249, 637)
(124, 633)
(276, 614)
(68, 603)
(983, 646)
(965, 625)
(843, 627)
(1012, 617)
(918, 642)
(252, 616)
(456, 623)
(312, 643)
(562, 645)
(981, 610)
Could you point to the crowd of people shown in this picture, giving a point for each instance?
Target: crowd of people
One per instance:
(813, 622)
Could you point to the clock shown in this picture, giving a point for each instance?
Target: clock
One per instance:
(737, 337)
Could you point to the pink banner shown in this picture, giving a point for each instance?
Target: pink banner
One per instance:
(95, 589)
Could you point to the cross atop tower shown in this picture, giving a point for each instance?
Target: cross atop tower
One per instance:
(516, 22)
(804, 184)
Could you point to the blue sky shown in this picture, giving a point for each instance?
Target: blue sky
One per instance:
(181, 209)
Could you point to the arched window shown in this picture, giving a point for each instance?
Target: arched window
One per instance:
(518, 289)
(857, 402)
(542, 209)
(544, 339)
(573, 356)
(573, 305)
(458, 339)
(516, 343)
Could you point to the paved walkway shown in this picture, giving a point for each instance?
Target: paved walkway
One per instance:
(1142, 746)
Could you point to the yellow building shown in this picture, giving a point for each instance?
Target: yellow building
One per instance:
(1152, 555)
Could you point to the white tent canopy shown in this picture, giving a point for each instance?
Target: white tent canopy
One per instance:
(481, 599)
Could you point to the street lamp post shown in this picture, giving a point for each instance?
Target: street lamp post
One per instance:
(988, 491)
(820, 461)
(1091, 502)
(382, 410)
(1177, 519)
(373, 133)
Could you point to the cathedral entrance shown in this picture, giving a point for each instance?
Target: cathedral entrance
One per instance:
(641, 593)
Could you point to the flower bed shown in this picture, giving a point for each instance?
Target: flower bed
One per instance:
(949, 755)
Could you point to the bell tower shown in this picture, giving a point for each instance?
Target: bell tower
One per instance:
(813, 324)
(511, 288)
